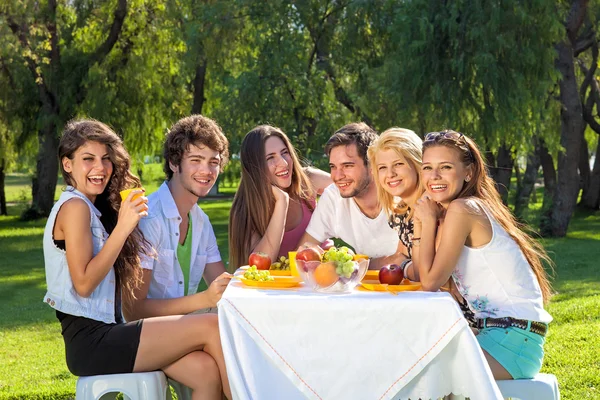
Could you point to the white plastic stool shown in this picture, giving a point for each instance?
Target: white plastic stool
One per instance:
(541, 387)
(136, 386)
(183, 392)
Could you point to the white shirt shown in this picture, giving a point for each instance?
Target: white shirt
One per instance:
(61, 294)
(161, 229)
(338, 217)
(497, 281)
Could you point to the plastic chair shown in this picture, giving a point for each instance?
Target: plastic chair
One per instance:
(541, 387)
(183, 392)
(136, 386)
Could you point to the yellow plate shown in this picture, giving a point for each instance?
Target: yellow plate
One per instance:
(273, 272)
(371, 274)
(358, 257)
(278, 283)
(280, 272)
(374, 285)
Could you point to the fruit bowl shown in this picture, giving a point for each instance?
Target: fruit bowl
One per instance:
(322, 277)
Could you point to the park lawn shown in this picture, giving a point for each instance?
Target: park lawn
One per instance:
(18, 185)
(32, 362)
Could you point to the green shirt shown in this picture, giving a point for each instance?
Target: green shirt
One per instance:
(184, 255)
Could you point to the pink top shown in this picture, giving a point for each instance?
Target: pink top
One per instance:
(291, 238)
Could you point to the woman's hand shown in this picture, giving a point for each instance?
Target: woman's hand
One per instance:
(132, 210)
(279, 194)
(427, 210)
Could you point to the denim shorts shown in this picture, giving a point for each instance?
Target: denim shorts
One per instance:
(520, 352)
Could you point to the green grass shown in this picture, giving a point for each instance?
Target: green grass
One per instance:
(32, 362)
(18, 185)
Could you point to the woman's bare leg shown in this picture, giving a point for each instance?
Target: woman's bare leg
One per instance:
(497, 369)
(165, 340)
(199, 372)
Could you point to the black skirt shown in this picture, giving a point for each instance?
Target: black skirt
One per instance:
(97, 348)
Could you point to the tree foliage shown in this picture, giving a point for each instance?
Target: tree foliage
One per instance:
(487, 68)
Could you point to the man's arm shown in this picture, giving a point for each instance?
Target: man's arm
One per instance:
(213, 270)
(396, 258)
(321, 226)
(307, 239)
(143, 307)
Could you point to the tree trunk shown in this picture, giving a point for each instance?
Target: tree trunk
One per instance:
(571, 118)
(199, 88)
(3, 210)
(527, 182)
(584, 166)
(571, 121)
(591, 198)
(549, 189)
(518, 176)
(44, 184)
(502, 172)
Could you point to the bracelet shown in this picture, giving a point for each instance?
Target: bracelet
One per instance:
(416, 238)
(416, 242)
(403, 266)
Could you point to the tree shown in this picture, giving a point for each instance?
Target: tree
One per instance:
(45, 41)
(590, 100)
(572, 123)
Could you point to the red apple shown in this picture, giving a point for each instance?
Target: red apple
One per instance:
(260, 259)
(391, 274)
(308, 254)
(327, 244)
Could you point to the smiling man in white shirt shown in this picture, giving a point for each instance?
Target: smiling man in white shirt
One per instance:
(349, 208)
(195, 151)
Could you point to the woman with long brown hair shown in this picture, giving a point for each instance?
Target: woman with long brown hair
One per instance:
(275, 199)
(464, 231)
(92, 246)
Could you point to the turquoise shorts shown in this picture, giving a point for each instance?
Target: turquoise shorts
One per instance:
(520, 352)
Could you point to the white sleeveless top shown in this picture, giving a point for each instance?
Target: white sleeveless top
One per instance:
(61, 294)
(497, 281)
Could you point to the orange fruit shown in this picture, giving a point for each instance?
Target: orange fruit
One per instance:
(325, 274)
(358, 257)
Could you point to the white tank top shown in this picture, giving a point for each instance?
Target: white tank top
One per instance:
(497, 281)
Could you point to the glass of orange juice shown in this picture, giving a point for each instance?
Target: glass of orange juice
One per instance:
(293, 268)
(125, 193)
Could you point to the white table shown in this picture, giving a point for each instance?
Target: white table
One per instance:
(298, 344)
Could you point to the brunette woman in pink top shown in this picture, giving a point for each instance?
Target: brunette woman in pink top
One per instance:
(275, 199)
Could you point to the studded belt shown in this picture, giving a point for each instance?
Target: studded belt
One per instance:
(506, 322)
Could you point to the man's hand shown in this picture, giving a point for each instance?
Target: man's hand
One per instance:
(217, 287)
(308, 245)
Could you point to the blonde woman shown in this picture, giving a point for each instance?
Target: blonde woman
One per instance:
(396, 163)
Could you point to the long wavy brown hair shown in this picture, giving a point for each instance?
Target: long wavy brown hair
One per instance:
(482, 186)
(76, 134)
(254, 202)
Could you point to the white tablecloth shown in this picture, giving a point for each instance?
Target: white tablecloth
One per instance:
(297, 344)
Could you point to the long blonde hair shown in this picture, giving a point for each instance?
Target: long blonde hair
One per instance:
(254, 202)
(481, 186)
(406, 144)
